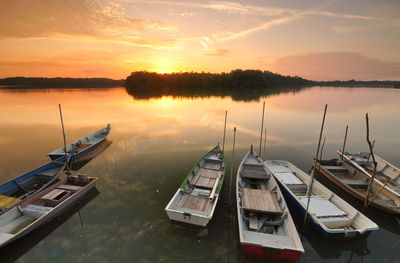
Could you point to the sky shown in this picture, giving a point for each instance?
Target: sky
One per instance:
(314, 39)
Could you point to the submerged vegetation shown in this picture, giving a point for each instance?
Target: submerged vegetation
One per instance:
(54, 83)
(239, 84)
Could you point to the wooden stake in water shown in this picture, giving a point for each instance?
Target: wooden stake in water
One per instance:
(265, 143)
(223, 141)
(262, 127)
(322, 148)
(233, 159)
(374, 162)
(65, 143)
(310, 184)
(62, 126)
(344, 142)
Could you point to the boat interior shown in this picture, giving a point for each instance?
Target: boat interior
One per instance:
(262, 209)
(323, 204)
(200, 191)
(359, 182)
(18, 218)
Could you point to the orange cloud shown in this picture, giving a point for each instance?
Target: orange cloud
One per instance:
(337, 66)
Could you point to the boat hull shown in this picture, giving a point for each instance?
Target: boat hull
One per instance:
(326, 234)
(91, 139)
(271, 253)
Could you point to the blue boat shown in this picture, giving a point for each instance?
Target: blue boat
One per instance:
(15, 191)
(82, 146)
(331, 215)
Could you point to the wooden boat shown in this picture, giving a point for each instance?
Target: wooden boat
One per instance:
(20, 188)
(83, 145)
(266, 228)
(356, 183)
(42, 207)
(387, 175)
(195, 201)
(331, 215)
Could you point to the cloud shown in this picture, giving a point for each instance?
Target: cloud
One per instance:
(218, 52)
(25, 19)
(337, 66)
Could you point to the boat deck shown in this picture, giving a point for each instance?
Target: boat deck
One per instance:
(196, 203)
(260, 201)
(7, 201)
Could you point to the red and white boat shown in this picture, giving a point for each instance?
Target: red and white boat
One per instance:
(266, 228)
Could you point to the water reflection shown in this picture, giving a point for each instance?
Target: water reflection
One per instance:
(157, 141)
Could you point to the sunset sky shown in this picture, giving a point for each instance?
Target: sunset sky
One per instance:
(315, 39)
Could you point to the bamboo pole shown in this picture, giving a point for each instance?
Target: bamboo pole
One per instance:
(223, 141)
(310, 184)
(344, 142)
(65, 142)
(233, 159)
(265, 143)
(322, 147)
(262, 127)
(373, 161)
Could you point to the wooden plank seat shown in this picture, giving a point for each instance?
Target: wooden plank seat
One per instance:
(69, 187)
(260, 201)
(254, 173)
(356, 183)
(196, 203)
(205, 178)
(212, 165)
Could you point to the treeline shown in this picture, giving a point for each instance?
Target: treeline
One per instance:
(359, 83)
(53, 83)
(239, 84)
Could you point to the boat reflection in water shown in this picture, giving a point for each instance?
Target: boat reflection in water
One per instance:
(82, 161)
(16, 249)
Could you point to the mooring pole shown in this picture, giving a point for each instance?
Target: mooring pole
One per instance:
(265, 143)
(223, 141)
(262, 127)
(310, 184)
(344, 142)
(65, 143)
(233, 158)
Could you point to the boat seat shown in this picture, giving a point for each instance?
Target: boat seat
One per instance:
(254, 172)
(356, 183)
(213, 165)
(205, 178)
(69, 187)
(35, 211)
(260, 201)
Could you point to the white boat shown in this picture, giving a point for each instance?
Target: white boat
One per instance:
(387, 175)
(266, 228)
(42, 207)
(82, 146)
(195, 201)
(331, 215)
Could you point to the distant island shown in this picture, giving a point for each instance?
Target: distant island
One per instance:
(239, 84)
(54, 83)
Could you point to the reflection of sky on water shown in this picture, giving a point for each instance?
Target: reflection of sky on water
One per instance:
(156, 142)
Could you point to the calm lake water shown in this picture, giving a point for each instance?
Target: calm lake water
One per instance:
(155, 142)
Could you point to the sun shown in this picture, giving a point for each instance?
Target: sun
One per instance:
(164, 65)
